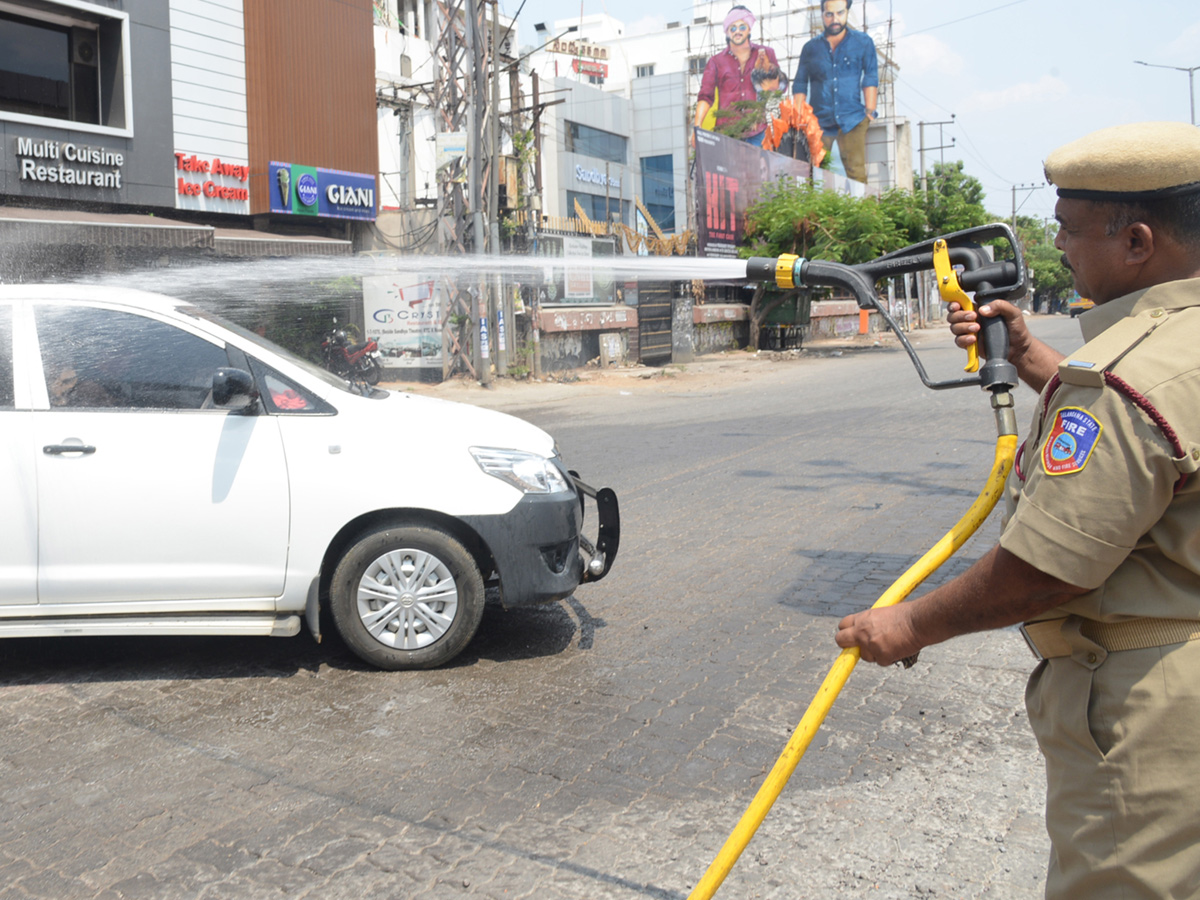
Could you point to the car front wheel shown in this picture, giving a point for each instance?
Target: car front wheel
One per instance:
(407, 597)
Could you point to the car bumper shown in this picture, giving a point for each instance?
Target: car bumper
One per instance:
(539, 548)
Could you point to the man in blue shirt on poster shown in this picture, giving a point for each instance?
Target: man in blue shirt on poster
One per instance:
(839, 75)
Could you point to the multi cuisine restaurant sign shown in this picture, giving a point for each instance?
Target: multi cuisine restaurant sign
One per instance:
(68, 163)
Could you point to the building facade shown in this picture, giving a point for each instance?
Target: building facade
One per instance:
(140, 129)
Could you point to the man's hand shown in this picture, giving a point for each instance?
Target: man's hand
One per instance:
(965, 325)
(884, 636)
(998, 589)
(1036, 362)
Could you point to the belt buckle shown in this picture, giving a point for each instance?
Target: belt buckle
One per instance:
(1029, 642)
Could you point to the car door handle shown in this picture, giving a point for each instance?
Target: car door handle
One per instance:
(57, 449)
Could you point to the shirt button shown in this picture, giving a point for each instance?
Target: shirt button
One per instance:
(1091, 657)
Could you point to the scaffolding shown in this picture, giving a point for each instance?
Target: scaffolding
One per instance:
(786, 31)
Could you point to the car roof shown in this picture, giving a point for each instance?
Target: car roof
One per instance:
(97, 293)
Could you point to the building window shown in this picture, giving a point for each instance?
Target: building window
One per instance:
(588, 141)
(595, 79)
(68, 66)
(658, 189)
(599, 208)
(696, 65)
(644, 71)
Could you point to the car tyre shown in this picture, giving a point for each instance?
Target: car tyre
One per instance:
(407, 597)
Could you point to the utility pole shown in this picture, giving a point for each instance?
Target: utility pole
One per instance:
(452, 94)
(496, 310)
(924, 285)
(477, 58)
(1021, 187)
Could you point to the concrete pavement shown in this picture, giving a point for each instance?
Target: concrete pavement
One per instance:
(602, 747)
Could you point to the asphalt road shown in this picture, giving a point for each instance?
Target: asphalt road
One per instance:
(602, 747)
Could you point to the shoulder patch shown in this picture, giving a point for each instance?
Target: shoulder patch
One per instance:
(1072, 438)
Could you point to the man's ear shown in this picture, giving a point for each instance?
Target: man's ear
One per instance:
(1139, 244)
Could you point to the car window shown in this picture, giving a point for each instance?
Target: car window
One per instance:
(105, 359)
(309, 367)
(7, 399)
(282, 395)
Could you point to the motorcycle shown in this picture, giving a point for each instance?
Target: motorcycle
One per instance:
(354, 362)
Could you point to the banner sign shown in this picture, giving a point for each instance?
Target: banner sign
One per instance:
(311, 191)
(404, 314)
(730, 175)
(451, 146)
(584, 67)
(578, 271)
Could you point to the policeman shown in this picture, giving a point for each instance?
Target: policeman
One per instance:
(1099, 555)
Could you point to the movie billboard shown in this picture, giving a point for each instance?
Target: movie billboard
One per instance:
(730, 175)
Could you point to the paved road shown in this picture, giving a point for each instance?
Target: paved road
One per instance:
(598, 748)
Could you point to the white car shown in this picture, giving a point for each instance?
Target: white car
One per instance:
(165, 472)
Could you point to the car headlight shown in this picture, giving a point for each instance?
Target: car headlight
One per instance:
(528, 472)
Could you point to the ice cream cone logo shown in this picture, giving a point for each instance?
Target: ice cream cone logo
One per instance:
(284, 176)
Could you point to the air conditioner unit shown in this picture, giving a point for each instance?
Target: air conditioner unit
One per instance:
(83, 47)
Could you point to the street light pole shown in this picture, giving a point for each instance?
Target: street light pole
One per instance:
(1191, 72)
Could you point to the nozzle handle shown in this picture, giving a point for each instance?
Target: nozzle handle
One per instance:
(993, 337)
(997, 373)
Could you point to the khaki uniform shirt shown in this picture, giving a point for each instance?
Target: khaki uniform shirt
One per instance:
(1095, 502)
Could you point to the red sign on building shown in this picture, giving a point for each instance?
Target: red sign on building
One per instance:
(586, 67)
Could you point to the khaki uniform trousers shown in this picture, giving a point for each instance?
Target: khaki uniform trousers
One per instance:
(1121, 736)
(852, 146)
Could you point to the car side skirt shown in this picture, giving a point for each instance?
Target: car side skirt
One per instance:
(111, 626)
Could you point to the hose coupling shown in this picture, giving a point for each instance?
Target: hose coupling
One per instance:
(1006, 412)
(781, 270)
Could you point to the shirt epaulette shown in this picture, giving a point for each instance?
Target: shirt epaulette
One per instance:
(1086, 367)
(1092, 366)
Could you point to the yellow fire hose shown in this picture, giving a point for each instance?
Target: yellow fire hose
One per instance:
(980, 273)
(1006, 447)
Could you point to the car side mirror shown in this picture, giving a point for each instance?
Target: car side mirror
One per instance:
(233, 389)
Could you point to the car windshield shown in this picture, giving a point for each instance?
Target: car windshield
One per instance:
(309, 367)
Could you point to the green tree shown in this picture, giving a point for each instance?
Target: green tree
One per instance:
(1032, 231)
(1051, 280)
(954, 199)
(818, 224)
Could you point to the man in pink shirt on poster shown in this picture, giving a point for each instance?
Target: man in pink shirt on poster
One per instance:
(727, 75)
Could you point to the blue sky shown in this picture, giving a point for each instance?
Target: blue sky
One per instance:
(1020, 76)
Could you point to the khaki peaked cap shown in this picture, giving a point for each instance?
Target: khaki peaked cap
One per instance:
(1140, 161)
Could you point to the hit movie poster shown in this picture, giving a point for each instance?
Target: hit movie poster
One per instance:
(730, 175)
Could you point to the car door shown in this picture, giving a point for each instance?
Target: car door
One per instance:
(18, 482)
(146, 493)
